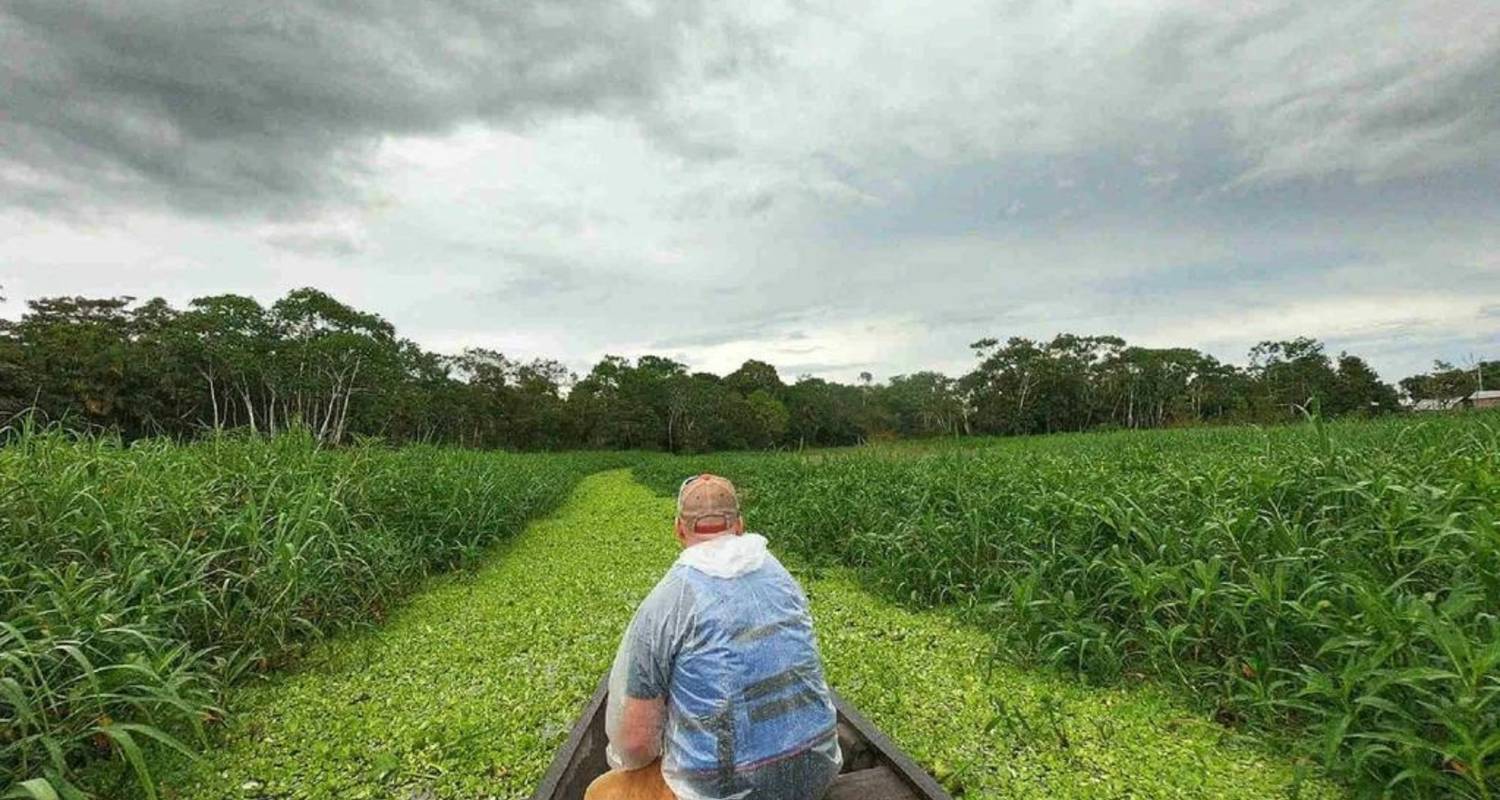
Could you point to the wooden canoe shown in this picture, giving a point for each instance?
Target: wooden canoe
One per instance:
(874, 767)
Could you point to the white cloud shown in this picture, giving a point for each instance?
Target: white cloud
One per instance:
(1431, 315)
(839, 349)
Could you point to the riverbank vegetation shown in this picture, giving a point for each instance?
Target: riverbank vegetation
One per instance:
(137, 582)
(1336, 584)
(1329, 584)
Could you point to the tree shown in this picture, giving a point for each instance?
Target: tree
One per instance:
(924, 404)
(820, 413)
(1289, 375)
(1003, 387)
(72, 354)
(537, 415)
(625, 405)
(768, 420)
(1450, 383)
(1358, 390)
(228, 340)
(753, 376)
(330, 355)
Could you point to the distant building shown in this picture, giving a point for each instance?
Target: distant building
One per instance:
(1489, 398)
(1437, 404)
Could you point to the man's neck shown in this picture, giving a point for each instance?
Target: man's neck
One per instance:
(694, 539)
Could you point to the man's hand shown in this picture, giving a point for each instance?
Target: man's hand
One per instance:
(639, 739)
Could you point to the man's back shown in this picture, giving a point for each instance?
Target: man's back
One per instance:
(726, 641)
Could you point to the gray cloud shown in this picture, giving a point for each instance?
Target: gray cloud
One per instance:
(316, 243)
(825, 189)
(227, 107)
(1381, 91)
(761, 323)
(794, 370)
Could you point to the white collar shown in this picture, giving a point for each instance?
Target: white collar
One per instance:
(726, 556)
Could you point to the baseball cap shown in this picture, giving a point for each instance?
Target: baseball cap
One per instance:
(707, 504)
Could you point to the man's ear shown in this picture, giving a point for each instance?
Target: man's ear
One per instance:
(739, 525)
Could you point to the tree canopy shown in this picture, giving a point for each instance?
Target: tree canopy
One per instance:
(226, 361)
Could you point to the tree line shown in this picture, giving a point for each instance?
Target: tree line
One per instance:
(308, 360)
(1447, 382)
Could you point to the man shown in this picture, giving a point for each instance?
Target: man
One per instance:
(717, 692)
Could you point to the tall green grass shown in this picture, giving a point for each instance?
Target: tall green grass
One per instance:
(138, 581)
(1336, 584)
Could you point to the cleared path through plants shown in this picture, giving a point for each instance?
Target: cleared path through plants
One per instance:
(469, 689)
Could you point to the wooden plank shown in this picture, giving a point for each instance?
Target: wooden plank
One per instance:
(914, 776)
(581, 758)
(876, 783)
(858, 754)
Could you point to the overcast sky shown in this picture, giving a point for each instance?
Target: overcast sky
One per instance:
(832, 187)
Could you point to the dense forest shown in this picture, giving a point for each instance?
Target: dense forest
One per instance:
(227, 361)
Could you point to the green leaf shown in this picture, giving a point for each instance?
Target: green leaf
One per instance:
(36, 789)
(119, 733)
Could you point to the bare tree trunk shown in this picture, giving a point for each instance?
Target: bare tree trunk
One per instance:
(333, 401)
(1021, 403)
(271, 410)
(213, 397)
(338, 435)
(249, 406)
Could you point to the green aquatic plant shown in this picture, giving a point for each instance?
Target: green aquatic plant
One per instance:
(1336, 584)
(137, 582)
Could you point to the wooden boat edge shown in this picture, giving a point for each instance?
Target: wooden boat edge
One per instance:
(566, 754)
(907, 769)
